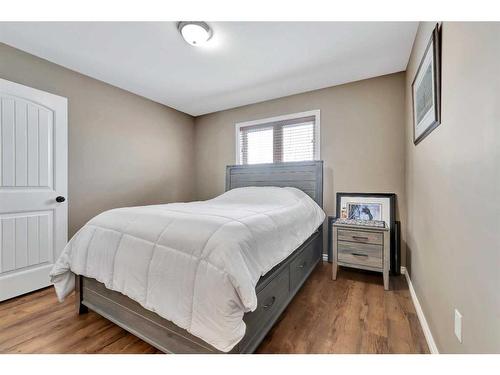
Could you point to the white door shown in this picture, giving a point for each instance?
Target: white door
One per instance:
(33, 186)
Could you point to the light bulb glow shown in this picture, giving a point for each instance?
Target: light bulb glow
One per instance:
(195, 33)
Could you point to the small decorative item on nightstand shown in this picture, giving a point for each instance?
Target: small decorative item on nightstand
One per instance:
(361, 244)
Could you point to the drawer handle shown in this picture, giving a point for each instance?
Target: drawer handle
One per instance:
(359, 255)
(360, 238)
(268, 305)
(302, 265)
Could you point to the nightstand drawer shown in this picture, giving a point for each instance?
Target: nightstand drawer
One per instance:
(376, 238)
(360, 254)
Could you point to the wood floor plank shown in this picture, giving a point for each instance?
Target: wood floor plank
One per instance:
(30, 298)
(350, 315)
(26, 330)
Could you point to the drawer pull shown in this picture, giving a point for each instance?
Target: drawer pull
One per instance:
(302, 265)
(269, 304)
(359, 255)
(360, 238)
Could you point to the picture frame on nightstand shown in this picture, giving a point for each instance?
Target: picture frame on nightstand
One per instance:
(379, 206)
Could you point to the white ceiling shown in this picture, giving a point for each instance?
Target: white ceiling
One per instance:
(245, 62)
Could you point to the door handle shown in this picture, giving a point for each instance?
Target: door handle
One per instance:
(60, 199)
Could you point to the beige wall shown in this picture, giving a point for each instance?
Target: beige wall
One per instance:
(362, 133)
(124, 150)
(453, 180)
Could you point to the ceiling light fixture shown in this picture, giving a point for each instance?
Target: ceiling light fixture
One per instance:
(195, 33)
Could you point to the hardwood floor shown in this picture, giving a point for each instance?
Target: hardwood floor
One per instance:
(350, 315)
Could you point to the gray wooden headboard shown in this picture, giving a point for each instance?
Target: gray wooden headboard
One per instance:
(304, 175)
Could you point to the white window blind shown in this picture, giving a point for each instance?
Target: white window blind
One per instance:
(278, 141)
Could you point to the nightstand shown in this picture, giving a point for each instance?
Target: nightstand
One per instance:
(361, 246)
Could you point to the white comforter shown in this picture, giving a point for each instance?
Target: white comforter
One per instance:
(195, 264)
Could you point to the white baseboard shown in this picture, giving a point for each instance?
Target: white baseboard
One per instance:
(325, 257)
(420, 313)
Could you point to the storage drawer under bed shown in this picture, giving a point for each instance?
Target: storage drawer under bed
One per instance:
(276, 294)
(302, 265)
(270, 300)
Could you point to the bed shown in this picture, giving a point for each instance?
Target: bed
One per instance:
(273, 291)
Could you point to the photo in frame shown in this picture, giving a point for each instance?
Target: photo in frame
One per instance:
(426, 90)
(364, 211)
(381, 206)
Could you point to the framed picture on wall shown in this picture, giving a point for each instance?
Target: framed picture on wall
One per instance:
(426, 90)
(372, 206)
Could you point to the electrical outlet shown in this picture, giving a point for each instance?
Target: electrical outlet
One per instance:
(458, 325)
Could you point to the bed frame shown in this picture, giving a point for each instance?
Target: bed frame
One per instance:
(274, 290)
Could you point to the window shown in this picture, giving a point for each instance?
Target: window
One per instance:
(279, 139)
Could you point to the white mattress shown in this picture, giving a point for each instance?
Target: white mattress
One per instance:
(195, 264)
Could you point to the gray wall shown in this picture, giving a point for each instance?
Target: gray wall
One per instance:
(124, 150)
(362, 134)
(453, 180)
